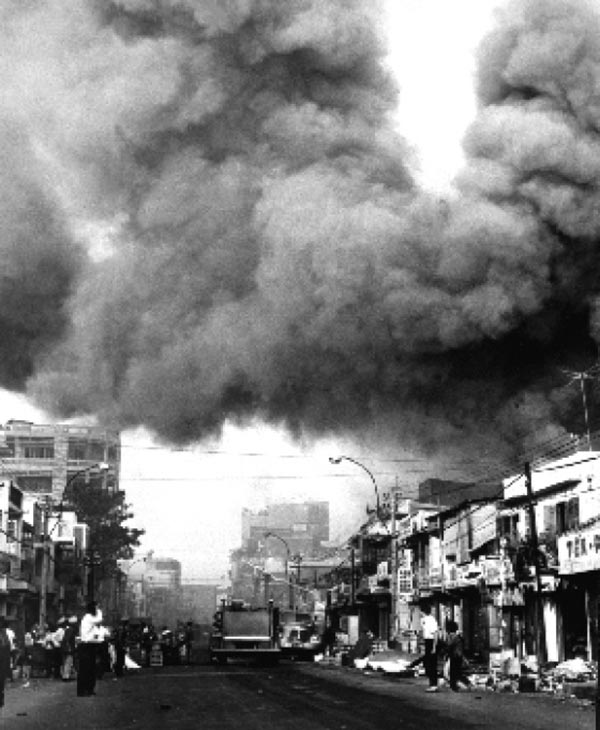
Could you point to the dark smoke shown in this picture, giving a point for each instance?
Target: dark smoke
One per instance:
(271, 255)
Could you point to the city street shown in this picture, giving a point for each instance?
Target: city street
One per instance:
(290, 696)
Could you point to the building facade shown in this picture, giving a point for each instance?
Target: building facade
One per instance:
(49, 460)
(517, 567)
(50, 570)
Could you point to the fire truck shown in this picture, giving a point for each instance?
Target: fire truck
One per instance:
(243, 632)
(299, 637)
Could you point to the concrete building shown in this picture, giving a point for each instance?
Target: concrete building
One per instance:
(303, 525)
(43, 463)
(49, 460)
(276, 543)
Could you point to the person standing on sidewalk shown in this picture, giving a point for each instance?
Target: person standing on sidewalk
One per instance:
(429, 631)
(89, 639)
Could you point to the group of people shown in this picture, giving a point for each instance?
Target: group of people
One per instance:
(73, 649)
(450, 650)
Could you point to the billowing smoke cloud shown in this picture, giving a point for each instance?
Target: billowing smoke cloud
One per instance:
(271, 255)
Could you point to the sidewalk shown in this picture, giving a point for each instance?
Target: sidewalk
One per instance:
(392, 663)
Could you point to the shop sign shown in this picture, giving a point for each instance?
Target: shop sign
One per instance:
(579, 552)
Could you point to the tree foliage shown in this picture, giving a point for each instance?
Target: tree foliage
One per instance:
(106, 514)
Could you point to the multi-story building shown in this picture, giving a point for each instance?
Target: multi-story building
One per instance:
(49, 460)
(276, 541)
(564, 499)
(12, 582)
(44, 463)
(303, 525)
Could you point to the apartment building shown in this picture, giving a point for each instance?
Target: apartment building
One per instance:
(49, 460)
(43, 563)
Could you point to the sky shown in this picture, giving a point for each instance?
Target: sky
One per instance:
(189, 499)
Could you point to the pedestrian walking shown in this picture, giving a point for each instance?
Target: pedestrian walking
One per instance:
(429, 631)
(456, 659)
(89, 639)
(5, 658)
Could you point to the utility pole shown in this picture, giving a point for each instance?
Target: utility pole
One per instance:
(540, 632)
(352, 572)
(394, 570)
(44, 570)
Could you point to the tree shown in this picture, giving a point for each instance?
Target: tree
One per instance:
(105, 513)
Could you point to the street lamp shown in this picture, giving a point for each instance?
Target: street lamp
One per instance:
(287, 561)
(339, 459)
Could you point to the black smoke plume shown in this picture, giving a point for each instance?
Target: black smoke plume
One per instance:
(265, 251)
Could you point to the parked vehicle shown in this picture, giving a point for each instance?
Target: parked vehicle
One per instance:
(243, 632)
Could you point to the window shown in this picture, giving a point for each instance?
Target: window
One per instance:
(77, 450)
(38, 448)
(11, 530)
(96, 451)
(567, 515)
(36, 484)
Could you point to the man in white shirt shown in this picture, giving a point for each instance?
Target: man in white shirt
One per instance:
(429, 630)
(12, 640)
(89, 640)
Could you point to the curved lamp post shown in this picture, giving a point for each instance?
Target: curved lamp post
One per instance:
(287, 561)
(339, 459)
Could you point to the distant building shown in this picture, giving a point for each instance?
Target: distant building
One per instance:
(276, 542)
(303, 525)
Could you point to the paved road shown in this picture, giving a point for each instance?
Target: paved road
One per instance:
(286, 697)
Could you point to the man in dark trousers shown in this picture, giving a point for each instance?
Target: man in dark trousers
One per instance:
(455, 653)
(89, 639)
(429, 634)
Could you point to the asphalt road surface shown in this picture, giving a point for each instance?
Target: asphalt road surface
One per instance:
(290, 696)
